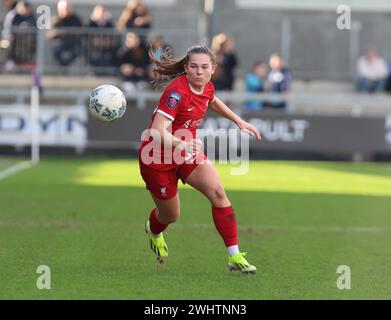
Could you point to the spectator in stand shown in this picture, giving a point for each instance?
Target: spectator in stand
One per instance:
(226, 59)
(279, 79)
(372, 73)
(67, 43)
(159, 46)
(388, 84)
(24, 15)
(9, 16)
(23, 42)
(135, 16)
(5, 28)
(133, 62)
(102, 46)
(100, 17)
(255, 82)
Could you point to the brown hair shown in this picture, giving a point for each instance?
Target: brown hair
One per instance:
(168, 67)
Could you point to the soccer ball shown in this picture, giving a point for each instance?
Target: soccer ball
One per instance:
(107, 103)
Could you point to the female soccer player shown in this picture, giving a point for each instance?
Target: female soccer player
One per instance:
(177, 154)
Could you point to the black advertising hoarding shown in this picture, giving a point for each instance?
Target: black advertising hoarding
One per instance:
(322, 133)
(280, 131)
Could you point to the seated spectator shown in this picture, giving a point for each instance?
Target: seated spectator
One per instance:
(372, 73)
(6, 34)
(100, 17)
(9, 16)
(102, 47)
(226, 59)
(133, 62)
(24, 15)
(23, 42)
(67, 46)
(279, 79)
(388, 84)
(135, 16)
(159, 46)
(255, 82)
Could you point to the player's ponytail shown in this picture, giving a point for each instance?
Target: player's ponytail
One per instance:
(168, 67)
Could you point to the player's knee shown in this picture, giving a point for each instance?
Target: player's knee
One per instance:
(171, 216)
(219, 198)
(174, 216)
(219, 192)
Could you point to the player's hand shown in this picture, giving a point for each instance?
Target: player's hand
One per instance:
(193, 146)
(249, 129)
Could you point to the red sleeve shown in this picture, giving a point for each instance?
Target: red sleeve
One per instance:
(171, 101)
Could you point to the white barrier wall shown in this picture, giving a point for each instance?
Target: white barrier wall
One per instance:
(58, 125)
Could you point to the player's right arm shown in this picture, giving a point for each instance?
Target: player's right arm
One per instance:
(161, 124)
(172, 100)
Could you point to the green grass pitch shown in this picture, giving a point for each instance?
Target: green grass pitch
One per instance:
(298, 221)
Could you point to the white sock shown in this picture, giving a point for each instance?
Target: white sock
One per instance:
(233, 249)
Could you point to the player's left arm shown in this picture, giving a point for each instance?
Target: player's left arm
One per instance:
(221, 108)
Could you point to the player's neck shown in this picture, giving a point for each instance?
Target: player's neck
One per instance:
(194, 89)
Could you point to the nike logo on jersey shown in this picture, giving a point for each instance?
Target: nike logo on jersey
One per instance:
(189, 109)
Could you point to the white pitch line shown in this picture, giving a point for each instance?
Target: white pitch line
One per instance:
(74, 223)
(332, 229)
(14, 169)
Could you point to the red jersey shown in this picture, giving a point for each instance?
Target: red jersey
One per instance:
(185, 107)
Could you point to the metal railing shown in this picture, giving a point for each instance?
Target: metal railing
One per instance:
(77, 51)
(316, 103)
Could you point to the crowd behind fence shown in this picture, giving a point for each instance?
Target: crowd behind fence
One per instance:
(104, 47)
(77, 51)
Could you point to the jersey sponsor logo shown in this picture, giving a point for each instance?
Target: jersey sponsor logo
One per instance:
(196, 123)
(187, 123)
(173, 100)
(192, 123)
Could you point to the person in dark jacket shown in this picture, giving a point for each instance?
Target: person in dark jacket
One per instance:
(101, 47)
(23, 44)
(67, 43)
(224, 48)
(279, 79)
(133, 61)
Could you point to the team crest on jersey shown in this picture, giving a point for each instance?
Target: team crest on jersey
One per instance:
(173, 100)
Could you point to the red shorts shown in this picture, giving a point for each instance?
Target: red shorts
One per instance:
(164, 184)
